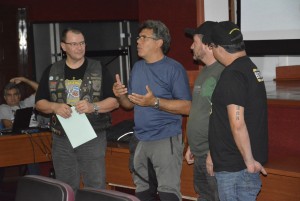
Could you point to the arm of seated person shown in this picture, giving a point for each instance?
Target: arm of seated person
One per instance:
(6, 123)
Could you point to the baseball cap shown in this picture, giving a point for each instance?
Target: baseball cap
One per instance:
(225, 33)
(204, 29)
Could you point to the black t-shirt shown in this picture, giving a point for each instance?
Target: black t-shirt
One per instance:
(43, 89)
(240, 84)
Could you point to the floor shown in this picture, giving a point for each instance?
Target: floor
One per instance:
(8, 193)
(9, 184)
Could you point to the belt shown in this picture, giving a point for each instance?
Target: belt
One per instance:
(57, 132)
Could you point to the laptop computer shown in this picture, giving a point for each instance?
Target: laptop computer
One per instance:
(21, 121)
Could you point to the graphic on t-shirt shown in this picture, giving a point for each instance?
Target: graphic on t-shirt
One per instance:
(258, 75)
(73, 91)
(208, 87)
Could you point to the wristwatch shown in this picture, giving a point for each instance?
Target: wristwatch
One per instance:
(156, 103)
(96, 108)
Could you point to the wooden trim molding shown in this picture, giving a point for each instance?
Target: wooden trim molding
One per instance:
(200, 11)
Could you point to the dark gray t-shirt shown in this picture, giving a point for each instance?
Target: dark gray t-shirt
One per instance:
(197, 126)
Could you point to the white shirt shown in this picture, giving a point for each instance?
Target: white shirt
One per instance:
(8, 112)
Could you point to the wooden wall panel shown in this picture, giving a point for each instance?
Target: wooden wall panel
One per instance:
(8, 46)
(277, 187)
(77, 10)
(284, 127)
(288, 73)
(177, 15)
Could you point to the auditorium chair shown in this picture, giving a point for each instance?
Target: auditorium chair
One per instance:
(41, 188)
(89, 194)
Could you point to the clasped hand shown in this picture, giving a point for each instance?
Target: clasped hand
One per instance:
(65, 111)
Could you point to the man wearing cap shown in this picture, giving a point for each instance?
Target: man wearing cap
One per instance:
(197, 127)
(238, 130)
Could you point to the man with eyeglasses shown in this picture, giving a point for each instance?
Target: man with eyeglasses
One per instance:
(159, 93)
(12, 97)
(83, 83)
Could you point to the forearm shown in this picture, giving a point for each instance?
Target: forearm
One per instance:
(241, 138)
(7, 123)
(33, 84)
(107, 105)
(45, 106)
(175, 106)
(125, 102)
(240, 132)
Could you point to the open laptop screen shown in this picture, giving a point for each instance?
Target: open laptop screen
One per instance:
(21, 121)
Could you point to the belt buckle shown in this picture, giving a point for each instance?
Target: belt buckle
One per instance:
(56, 132)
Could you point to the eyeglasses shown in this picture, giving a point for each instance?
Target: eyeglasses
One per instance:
(74, 44)
(8, 95)
(143, 38)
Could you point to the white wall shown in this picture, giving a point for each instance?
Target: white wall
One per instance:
(268, 64)
(217, 10)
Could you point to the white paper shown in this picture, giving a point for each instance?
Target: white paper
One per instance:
(78, 128)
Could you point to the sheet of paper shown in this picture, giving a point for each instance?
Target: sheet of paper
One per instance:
(78, 128)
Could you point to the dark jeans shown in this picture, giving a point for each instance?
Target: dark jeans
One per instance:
(86, 161)
(204, 184)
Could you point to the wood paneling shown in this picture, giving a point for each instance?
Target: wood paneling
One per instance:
(288, 72)
(118, 174)
(76, 10)
(177, 15)
(8, 46)
(25, 149)
(283, 180)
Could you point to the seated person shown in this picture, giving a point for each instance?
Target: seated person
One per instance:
(12, 97)
(1, 126)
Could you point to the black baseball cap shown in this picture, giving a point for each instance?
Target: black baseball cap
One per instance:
(204, 29)
(225, 33)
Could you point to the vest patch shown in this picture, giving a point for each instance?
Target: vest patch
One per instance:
(73, 91)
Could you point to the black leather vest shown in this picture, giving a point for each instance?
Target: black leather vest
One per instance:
(90, 89)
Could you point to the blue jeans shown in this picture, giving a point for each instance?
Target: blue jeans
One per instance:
(86, 161)
(238, 186)
(204, 184)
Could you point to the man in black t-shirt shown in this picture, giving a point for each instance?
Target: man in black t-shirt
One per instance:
(79, 82)
(238, 130)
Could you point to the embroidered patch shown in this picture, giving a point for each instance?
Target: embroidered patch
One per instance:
(73, 91)
(258, 75)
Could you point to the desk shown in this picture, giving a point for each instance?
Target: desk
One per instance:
(24, 149)
(282, 182)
